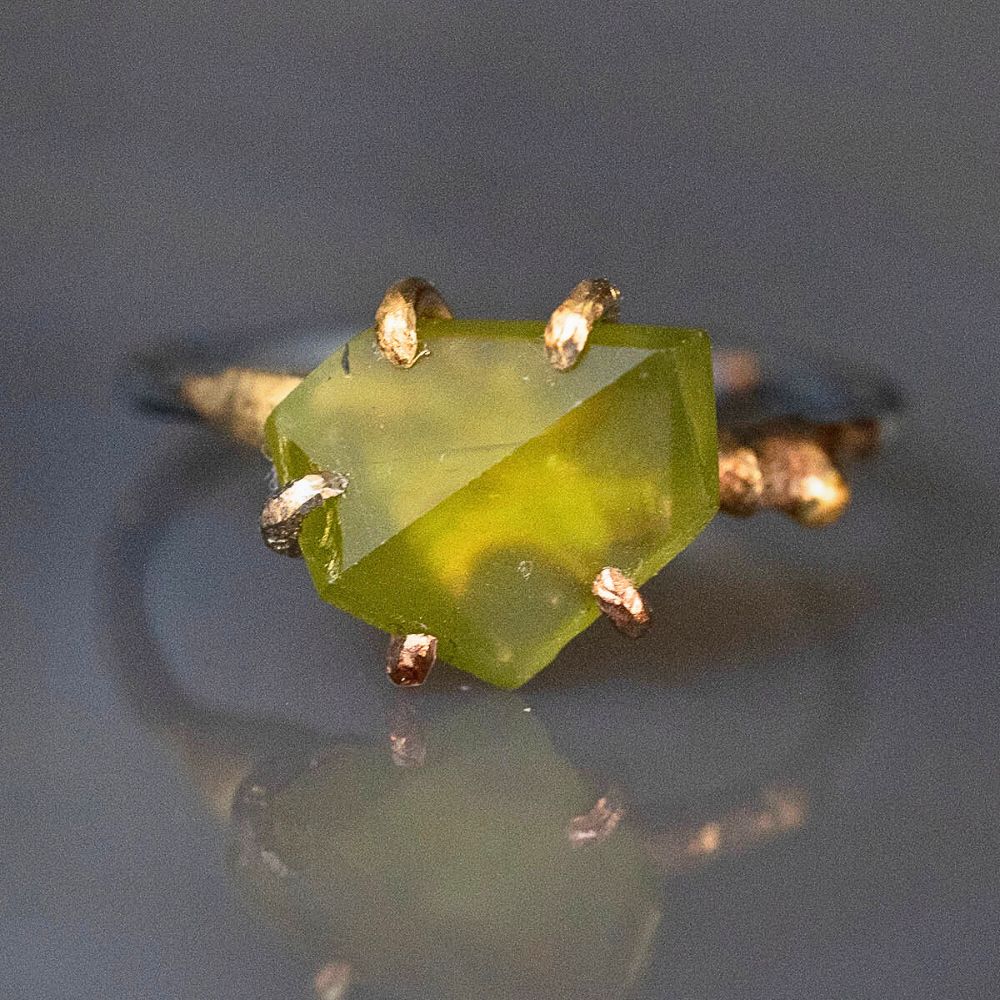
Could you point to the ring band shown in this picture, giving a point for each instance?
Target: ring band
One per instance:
(783, 434)
(750, 389)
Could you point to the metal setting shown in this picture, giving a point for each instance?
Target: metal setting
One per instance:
(620, 600)
(741, 482)
(788, 470)
(801, 480)
(396, 319)
(237, 400)
(571, 322)
(782, 437)
(411, 658)
(283, 514)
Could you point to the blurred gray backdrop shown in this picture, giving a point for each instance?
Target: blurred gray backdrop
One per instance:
(808, 175)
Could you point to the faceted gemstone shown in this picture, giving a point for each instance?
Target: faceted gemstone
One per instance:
(486, 490)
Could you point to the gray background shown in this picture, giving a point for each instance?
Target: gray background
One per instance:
(798, 176)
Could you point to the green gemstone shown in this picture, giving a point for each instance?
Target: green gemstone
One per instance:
(486, 490)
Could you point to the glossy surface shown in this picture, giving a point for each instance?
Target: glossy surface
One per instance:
(486, 490)
(819, 662)
(808, 179)
(464, 857)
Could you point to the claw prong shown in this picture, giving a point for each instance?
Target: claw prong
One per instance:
(572, 322)
(396, 319)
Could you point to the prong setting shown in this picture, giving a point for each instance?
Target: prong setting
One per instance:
(571, 323)
(411, 658)
(283, 514)
(619, 599)
(396, 319)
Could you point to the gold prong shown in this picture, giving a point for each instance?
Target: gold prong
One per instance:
(332, 981)
(571, 322)
(598, 824)
(283, 514)
(620, 600)
(411, 658)
(396, 319)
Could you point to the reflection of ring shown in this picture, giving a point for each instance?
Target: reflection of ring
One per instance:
(477, 501)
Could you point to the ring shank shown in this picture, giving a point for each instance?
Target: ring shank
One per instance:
(750, 388)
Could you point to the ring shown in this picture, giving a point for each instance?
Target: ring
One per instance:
(483, 490)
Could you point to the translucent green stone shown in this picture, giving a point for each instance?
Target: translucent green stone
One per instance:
(486, 490)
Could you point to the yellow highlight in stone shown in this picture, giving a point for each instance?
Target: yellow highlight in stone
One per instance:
(486, 489)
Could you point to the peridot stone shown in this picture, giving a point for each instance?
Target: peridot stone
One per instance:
(486, 490)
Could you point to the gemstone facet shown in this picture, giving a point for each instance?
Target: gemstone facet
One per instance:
(486, 490)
